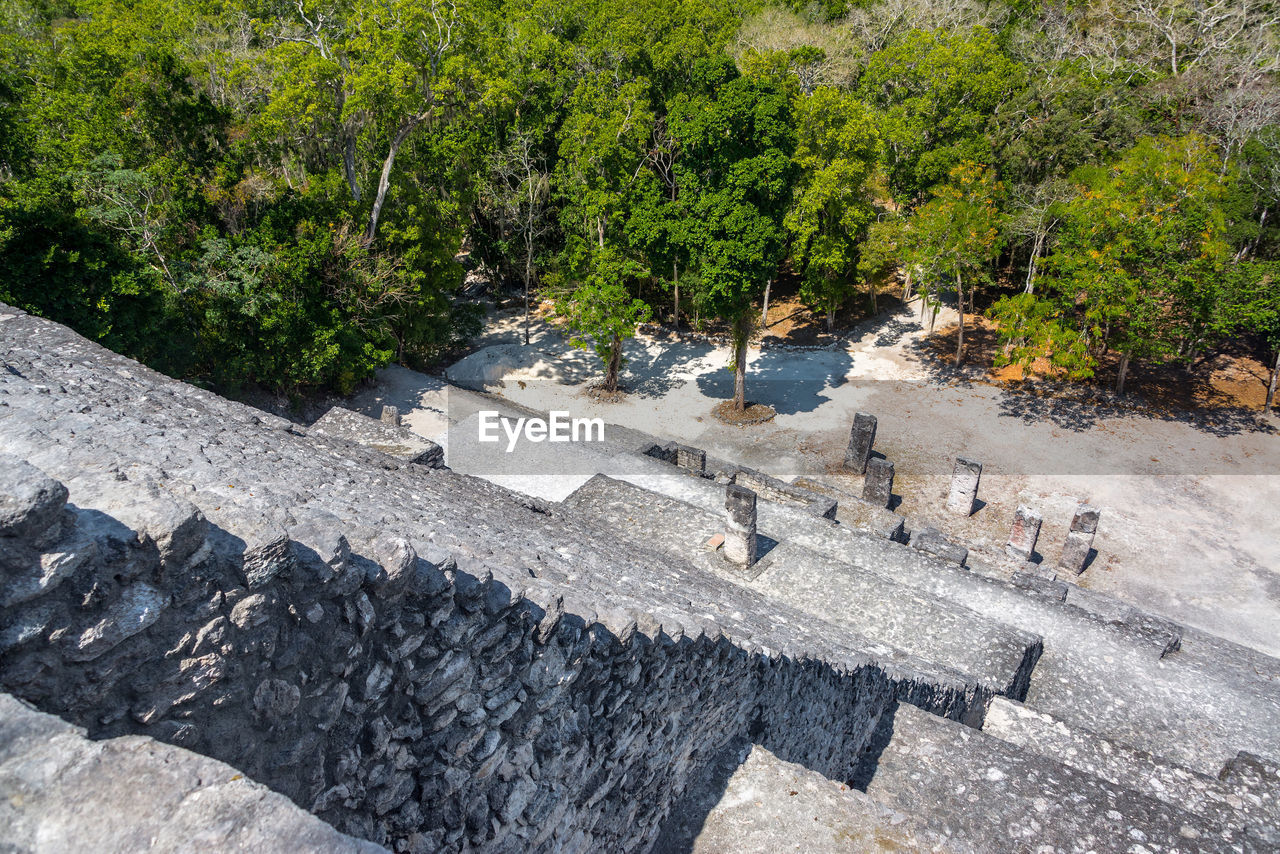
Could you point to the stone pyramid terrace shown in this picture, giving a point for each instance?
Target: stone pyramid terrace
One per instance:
(222, 630)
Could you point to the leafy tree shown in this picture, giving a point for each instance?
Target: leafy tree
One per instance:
(738, 174)
(1142, 248)
(602, 314)
(936, 92)
(881, 254)
(957, 234)
(836, 149)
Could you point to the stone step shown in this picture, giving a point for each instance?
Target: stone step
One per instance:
(387, 437)
(1218, 801)
(973, 787)
(60, 791)
(1256, 779)
(993, 655)
(769, 806)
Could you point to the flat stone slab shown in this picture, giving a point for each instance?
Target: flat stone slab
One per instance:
(1219, 802)
(61, 792)
(771, 806)
(390, 439)
(992, 654)
(1001, 798)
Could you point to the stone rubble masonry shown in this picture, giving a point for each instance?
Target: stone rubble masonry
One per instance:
(861, 437)
(877, 489)
(693, 459)
(964, 486)
(1024, 534)
(1079, 542)
(685, 456)
(420, 658)
(772, 489)
(740, 525)
(391, 416)
(64, 792)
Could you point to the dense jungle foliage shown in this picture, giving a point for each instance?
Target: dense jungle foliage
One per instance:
(274, 193)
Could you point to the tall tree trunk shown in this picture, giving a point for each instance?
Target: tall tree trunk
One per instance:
(675, 281)
(1124, 370)
(871, 286)
(960, 306)
(528, 275)
(1031, 268)
(764, 315)
(384, 180)
(831, 321)
(741, 331)
(349, 165)
(615, 364)
(1271, 387)
(906, 284)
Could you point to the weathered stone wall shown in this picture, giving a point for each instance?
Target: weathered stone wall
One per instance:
(422, 659)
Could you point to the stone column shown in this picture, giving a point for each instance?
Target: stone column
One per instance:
(1026, 530)
(1075, 551)
(861, 438)
(391, 415)
(964, 486)
(877, 489)
(740, 525)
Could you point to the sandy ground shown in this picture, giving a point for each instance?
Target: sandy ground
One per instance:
(1190, 523)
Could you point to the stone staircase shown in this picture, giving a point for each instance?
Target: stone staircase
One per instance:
(1117, 719)
(1234, 804)
(1001, 797)
(993, 655)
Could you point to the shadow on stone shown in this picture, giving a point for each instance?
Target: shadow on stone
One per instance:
(870, 759)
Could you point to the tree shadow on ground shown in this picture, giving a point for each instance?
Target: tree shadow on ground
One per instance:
(1159, 393)
(779, 378)
(653, 375)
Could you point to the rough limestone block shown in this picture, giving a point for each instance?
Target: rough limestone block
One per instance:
(268, 553)
(30, 500)
(1075, 551)
(877, 489)
(740, 525)
(46, 571)
(391, 415)
(964, 486)
(1050, 588)
(861, 437)
(1025, 532)
(693, 459)
(136, 609)
(931, 541)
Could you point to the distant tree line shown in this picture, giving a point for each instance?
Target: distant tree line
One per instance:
(253, 192)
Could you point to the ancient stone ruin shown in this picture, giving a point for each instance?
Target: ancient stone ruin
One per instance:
(220, 629)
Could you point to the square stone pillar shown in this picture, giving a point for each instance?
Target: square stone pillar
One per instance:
(964, 486)
(877, 489)
(391, 415)
(1026, 530)
(1075, 551)
(861, 437)
(740, 526)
